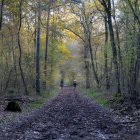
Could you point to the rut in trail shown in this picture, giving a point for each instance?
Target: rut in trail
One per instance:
(68, 116)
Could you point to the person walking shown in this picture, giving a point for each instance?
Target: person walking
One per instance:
(74, 84)
(62, 83)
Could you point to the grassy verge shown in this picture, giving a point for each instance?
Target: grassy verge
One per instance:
(40, 100)
(99, 97)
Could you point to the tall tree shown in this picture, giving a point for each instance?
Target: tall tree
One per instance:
(19, 45)
(120, 61)
(38, 49)
(107, 7)
(47, 40)
(87, 27)
(105, 53)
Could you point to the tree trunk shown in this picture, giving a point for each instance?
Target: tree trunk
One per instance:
(105, 54)
(107, 7)
(1, 13)
(38, 50)
(120, 65)
(35, 34)
(19, 45)
(114, 50)
(87, 26)
(92, 63)
(47, 43)
(87, 70)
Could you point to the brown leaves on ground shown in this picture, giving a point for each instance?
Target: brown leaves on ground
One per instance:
(68, 116)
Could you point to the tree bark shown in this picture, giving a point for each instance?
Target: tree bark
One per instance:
(107, 6)
(87, 32)
(120, 64)
(35, 34)
(47, 43)
(19, 45)
(87, 70)
(1, 13)
(105, 54)
(92, 63)
(38, 50)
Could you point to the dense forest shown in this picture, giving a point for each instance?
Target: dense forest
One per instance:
(95, 41)
(85, 54)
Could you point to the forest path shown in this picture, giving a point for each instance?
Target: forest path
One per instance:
(68, 116)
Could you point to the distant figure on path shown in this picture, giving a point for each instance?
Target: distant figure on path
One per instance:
(62, 83)
(74, 84)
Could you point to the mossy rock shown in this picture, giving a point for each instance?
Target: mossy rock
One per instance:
(13, 106)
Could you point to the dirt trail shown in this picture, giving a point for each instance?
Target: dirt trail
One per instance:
(68, 116)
